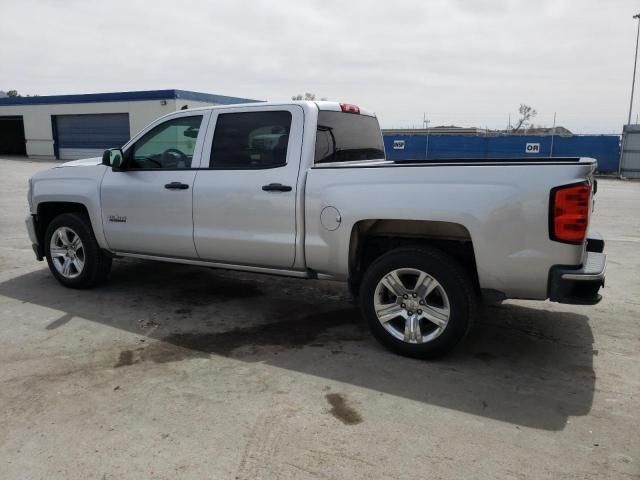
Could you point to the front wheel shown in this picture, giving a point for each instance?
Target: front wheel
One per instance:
(418, 301)
(72, 252)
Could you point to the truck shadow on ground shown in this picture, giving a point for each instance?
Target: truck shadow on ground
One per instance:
(527, 366)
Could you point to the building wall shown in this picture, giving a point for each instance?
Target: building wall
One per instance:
(38, 124)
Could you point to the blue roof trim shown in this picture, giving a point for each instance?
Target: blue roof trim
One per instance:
(124, 97)
(209, 97)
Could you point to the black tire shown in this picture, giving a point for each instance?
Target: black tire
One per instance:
(453, 279)
(96, 264)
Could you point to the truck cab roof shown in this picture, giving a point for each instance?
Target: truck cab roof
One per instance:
(306, 104)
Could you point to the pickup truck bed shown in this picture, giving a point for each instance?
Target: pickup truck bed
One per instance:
(501, 208)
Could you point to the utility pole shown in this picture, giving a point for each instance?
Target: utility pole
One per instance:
(635, 63)
(426, 126)
(633, 84)
(553, 135)
(425, 120)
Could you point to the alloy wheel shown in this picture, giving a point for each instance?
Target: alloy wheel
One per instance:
(411, 305)
(67, 252)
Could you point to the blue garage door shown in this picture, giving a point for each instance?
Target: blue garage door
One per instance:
(82, 136)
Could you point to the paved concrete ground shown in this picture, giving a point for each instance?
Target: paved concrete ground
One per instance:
(174, 372)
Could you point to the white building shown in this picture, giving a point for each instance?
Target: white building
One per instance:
(76, 126)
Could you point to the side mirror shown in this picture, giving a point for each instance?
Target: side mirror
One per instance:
(113, 158)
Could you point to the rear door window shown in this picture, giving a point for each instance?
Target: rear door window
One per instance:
(347, 137)
(250, 140)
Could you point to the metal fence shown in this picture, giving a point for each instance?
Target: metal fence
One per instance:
(433, 147)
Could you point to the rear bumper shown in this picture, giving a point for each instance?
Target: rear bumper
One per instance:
(580, 285)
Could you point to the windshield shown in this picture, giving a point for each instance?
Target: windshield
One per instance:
(347, 137)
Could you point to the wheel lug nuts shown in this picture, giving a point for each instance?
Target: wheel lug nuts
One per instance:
(409, 313)
(405, 296)
(419, 312)
(421, 302)
(403, 305)
(414, 295)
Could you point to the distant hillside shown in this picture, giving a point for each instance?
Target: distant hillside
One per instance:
(456, 130)
(547, 131)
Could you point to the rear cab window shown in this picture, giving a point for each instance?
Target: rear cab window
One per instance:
(347, 137)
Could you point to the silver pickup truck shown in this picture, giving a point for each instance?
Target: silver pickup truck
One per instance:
(303, 189)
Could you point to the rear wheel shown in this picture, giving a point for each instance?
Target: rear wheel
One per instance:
(72, 252)
(418, 301)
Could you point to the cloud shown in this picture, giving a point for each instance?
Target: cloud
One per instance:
(466, 62)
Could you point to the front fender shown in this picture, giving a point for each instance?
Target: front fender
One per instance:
(72, 185)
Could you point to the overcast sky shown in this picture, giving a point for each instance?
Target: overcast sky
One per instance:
(464, 62)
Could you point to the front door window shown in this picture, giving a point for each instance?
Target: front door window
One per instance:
(167, 146)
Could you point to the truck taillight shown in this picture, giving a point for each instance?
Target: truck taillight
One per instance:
(569, 213)
(348, 108)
